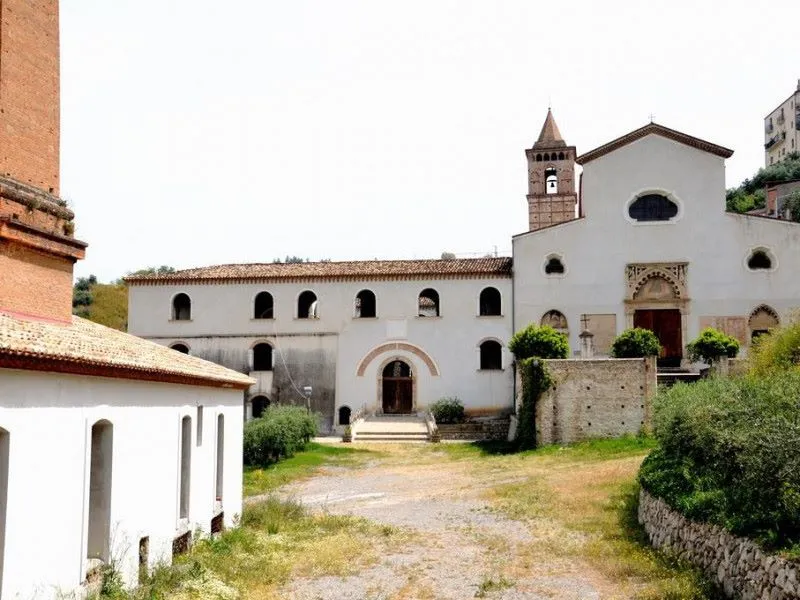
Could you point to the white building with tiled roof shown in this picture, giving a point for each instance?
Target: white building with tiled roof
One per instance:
(384, 336)
(113, 449)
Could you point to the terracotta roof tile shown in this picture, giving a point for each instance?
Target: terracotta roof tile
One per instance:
(354, 270)
(88, 348)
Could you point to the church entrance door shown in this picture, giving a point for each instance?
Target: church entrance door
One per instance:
(398, 388)
(666, 324)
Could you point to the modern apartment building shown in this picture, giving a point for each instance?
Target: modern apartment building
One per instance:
(782, 129)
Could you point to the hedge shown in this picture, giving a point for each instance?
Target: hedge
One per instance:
(635, 343)
(544, 342)
(278, 434)
(729, 455)
(711, 344)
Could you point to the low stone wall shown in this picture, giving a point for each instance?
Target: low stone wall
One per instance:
(740, 567)
(594, 398)
(489, 429)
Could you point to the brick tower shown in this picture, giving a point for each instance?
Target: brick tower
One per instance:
(37, 247)
(551, 178)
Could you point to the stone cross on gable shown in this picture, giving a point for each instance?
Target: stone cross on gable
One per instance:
(585, 322)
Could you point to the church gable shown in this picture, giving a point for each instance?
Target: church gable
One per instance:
(654, 129)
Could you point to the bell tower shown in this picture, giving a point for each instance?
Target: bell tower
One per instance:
(551, 178)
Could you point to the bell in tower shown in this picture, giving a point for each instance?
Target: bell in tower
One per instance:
(551, 178)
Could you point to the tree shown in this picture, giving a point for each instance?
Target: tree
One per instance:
(635, 343)
(162, 270)
(711, 344)
(542, 342)
(448, 256)
(750, 194)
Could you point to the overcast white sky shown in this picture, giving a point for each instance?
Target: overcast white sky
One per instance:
(198, 132)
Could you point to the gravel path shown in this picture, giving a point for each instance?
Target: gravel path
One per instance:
(459, 548)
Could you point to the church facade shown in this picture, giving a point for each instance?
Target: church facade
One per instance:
(640, 238)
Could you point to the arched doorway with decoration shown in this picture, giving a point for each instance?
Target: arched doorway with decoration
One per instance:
(397, 388)
(658, 300)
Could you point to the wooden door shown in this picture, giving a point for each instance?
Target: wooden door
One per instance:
(666, 324)
(397, 393)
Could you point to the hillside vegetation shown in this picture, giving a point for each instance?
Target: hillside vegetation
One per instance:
(750, 194)
(107, 303)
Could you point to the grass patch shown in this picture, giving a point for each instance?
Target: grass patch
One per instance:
(263, 480)
(600, 449)
(490, 584)
(588, 511)
(276, 542)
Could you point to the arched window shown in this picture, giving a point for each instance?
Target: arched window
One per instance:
(652, 207)
(551, 180)
(428, 303)
(264, 306)
(186, 466)
(344, 415)
(365, 305)
(759, 260)
(556, 320)
(490, 302)
(539, 157)
(491, 355)
(762, 320)
(262, 357)
(259, 404)
(181, 307)
(100, 480)
(182, 348)
(547, 156)
(554, 266)
(561, 156)
(307, 305)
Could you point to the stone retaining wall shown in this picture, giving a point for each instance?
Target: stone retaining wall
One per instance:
(494, 429)
(740, 567)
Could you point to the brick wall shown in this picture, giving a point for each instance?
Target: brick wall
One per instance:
(34, 282)
(594, 398)
(29, 92)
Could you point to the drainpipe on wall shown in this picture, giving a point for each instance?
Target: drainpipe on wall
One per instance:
(513, 329)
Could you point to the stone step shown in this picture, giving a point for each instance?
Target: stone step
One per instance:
(376, 437)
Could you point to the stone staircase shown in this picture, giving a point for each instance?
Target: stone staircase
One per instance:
(391, 428)
(669, 376)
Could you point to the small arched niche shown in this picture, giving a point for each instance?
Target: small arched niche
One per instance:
(180, 347)
(760, 259)
(344, 415)
(554, 265)
(762, 320)
(259, 405)
(556, 320)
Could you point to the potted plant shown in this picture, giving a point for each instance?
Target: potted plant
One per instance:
(347, 436)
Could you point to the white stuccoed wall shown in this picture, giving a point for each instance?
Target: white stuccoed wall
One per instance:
(596, 249)
(49, 418)
(222, 330)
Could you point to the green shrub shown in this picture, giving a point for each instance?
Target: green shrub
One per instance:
(729, 455)
(777, 350)
(635, 343)
(544, 342)
(711, 344)
(281, 432)
(448, 410)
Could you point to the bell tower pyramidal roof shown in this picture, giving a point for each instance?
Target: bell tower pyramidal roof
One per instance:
(549, 136)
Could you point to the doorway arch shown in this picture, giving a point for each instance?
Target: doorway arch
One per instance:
(397, 388)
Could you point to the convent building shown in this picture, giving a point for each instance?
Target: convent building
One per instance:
(640, 238)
